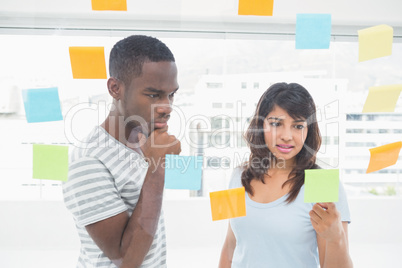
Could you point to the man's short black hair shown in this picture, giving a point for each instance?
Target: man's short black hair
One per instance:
(129, 54)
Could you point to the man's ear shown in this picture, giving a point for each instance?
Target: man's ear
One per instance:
(115, 88)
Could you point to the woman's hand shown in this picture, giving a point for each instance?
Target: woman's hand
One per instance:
(326, 221)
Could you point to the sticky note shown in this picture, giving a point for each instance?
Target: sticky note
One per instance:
(375, 42)
(228, 204)
(183, 172)
(321, 185)
(256, 7)
(384, 156)
(88, 62)
(42, 105)
(382, 99)
(50, 162)
(113, 5)
(313, 31)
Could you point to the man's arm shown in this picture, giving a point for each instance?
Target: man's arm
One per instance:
(125, 239)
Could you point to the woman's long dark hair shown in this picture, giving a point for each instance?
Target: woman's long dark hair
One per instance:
(299, 104)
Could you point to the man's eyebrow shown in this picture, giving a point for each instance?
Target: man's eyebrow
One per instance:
(158, 91)
(154, 90)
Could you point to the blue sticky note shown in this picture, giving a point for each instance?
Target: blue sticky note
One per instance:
(183, 172)
(313, 31)
(42, 105)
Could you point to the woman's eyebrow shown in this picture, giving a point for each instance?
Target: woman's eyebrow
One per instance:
(279, 119)
(300, 121)
(275, 118)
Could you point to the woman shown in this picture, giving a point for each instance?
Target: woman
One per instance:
(280, 230)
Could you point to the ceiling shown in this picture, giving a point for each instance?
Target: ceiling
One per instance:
(191, 16)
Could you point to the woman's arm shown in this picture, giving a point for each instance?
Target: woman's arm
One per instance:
(332, 236)
(228, 249)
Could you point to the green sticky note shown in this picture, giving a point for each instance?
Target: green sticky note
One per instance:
(50, 162)
(321, 185)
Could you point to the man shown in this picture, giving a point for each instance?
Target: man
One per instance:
(116, 179)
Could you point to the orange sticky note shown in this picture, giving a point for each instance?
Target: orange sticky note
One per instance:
(88, 62)
(114, 5)
(228, 204)
(384, 156)
(256, 7)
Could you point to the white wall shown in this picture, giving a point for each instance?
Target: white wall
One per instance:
(43, 234)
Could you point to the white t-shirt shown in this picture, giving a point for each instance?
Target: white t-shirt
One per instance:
(105, 178)
(277, 234)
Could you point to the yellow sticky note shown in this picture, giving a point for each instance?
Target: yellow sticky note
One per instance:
(88, 62)
(114, 5)
(256, 7)
(384, 156)
(382, 99)
(50, 162)
(375, 42)
(228, 204)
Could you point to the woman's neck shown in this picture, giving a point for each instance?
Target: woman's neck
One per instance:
(282, 164)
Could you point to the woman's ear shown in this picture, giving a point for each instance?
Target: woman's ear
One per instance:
(115, 88)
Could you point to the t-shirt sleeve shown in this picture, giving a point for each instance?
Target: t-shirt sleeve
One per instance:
(90, 193)
(342, 205)
(235, 179)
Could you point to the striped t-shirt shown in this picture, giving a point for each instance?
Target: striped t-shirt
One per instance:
(105, 178)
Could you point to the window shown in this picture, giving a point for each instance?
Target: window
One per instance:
(216, 105)
(216, 123)
(216, 89)
(353, 117)
(214, 85)
(354, 130)
(360, 144)
(229, 105)
(241, 142)
(326, 140)
(336, 140)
